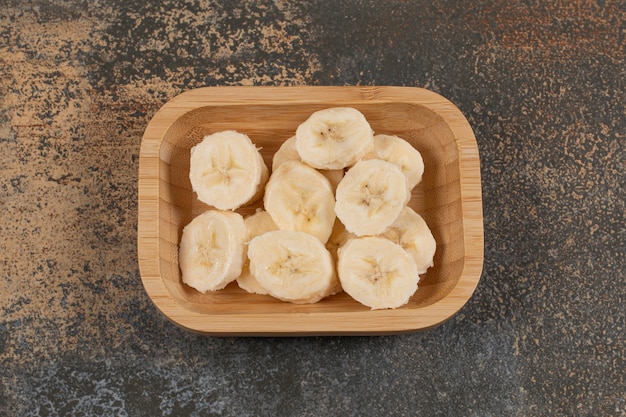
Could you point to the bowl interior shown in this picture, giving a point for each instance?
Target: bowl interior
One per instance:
(437, 198)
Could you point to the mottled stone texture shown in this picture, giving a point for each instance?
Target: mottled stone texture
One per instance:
(543, 85)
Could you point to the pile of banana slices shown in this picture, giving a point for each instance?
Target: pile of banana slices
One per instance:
(335, 215)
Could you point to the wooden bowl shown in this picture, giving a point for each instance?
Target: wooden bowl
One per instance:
(449, 199)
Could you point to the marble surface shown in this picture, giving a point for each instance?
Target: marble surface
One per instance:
(543, 86)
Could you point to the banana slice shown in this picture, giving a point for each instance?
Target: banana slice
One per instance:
(300, 199)
(400, 152)
(377, 272)
(339, 237)
(256, 224)
(292, 266)
(334, 176)
(227, 171)
(211, 250)
(371, 196)
(287, 152)
(334, 138)
(412, 233)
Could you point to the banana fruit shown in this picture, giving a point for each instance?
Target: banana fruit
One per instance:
(371, 196)
(400, 152)
(412, 233)
(334, 138)
(256, 225)
(334, 215)
(338, 237)
(292, 266)
(211, 253)
(288, 152)
(227, 171)
(300, 199)
(377, 272)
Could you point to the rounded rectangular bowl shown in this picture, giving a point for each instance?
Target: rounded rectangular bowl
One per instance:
(449, 199)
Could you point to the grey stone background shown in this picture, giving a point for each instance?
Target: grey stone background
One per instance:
(542, 84)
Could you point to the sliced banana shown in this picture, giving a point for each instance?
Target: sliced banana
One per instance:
(412, 233)
(371, 196)
(400, 152)
(334, 138)
(300, 199)
(324, 230)
(292, 266)
(256, 224)
(211, 253)
(339, 237)
(377, 272)
(287, 152)
(334, 176)
(227, 171)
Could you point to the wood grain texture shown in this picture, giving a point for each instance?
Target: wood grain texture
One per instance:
(449, 199)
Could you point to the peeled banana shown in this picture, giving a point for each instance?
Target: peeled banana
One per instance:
(400, 152)
(334, 215)
(339, 237)
(377, 272)
(292, 266)
(287, 152)
(227, 171)
(256, 224)
(371, 196)
(411, 232)
(334, 138)
(299, 198)
(211, 253)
